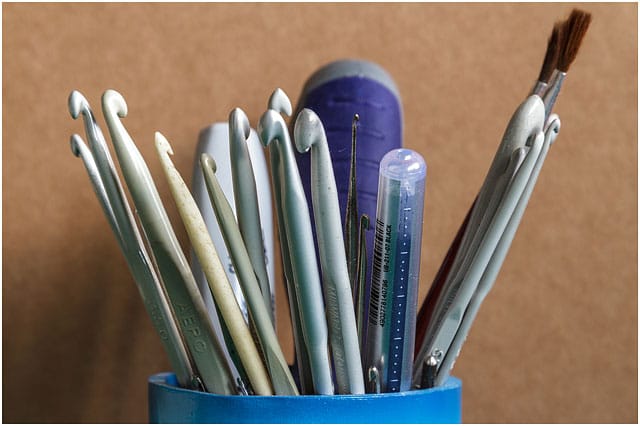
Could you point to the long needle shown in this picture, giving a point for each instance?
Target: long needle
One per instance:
(351, 220)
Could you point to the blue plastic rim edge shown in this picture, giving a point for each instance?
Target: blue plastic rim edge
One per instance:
(170, 404)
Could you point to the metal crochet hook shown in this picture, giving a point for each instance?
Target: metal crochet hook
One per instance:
(214, 272)
(281, 378)
(246, 200)
(182, 291)
(309, 135)
(351, 213)
(361, 281)
(497, 258)
(108, 188)
(273, 129)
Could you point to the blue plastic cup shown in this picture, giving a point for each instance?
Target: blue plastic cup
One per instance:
(169, 403)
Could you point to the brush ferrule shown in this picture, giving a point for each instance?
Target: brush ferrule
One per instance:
(550, 95)
(538, 88)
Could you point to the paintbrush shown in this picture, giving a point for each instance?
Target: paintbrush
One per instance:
(550, 60)
(571, 35)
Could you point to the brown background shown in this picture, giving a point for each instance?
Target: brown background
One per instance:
(555, 341)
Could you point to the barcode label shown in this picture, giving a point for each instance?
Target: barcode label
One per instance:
(379, 282)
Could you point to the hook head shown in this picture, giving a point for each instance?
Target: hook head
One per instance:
(279, 101)
(271, 126)
(162, 144)
(76, 141)
(114, 101)
(207, 161)
(77, 103)
(307, 130)
(238, 121)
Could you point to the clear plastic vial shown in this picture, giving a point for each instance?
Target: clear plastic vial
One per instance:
(396, 269)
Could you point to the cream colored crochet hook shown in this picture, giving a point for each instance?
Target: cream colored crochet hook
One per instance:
(214, 271)
(182, 290)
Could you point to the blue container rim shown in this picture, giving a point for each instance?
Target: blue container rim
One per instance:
(169, 403)
(168, 381)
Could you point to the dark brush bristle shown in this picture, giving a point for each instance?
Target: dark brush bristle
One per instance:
(574, 29)
(551, 55)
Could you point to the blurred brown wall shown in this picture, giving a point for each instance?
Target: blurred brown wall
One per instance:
(555, 341)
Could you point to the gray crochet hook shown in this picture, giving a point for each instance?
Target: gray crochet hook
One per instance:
(110, 193)
(527, 120)
(309, 135)
(446, 326)
(281, 378)
(246, 200)
(497, 258)
(303, 364)
(182, 291)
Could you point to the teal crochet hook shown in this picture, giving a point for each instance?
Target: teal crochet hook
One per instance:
(273, 129)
